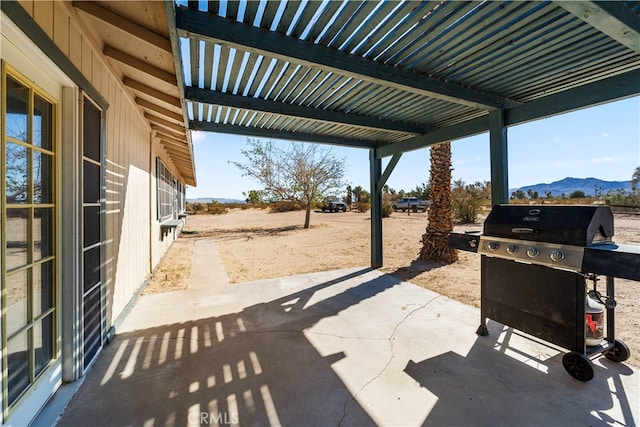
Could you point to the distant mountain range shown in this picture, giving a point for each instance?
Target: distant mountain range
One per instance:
(217, 199)
(590, 186)
(567, 186)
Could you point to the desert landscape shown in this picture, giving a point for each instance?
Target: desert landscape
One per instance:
(256, 244)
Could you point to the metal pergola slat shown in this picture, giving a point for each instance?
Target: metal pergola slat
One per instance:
(398, 76)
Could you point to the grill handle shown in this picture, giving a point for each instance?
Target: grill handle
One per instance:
(522, 230)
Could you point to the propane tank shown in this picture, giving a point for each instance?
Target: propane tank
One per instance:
(594, 322)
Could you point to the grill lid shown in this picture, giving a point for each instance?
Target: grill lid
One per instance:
(579, 225)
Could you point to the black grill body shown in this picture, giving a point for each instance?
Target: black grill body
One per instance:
(566, 225)
(536, 262)
(546, 303)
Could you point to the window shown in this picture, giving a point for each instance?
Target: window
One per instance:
(180, 192)
(29, 213)
(167, 192)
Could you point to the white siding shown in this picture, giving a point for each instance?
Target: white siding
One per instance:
(134, 243)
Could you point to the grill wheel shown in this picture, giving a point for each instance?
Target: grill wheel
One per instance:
(619, 353)
(578, 366)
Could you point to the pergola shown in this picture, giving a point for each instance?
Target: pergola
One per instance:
(386, 76)
(394, 76)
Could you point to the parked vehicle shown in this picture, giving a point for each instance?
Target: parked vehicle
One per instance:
(333, 204)
(410, 203)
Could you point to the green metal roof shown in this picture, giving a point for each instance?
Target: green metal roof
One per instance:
(397, 76)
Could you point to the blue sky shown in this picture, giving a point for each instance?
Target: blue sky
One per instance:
(601, 142)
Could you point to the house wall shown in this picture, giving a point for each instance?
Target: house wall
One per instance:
(134, 243)
(160, 243)
(85, 306)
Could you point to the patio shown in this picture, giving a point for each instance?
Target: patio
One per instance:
(346, 347)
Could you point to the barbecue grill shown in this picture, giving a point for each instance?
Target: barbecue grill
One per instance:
(536, 262)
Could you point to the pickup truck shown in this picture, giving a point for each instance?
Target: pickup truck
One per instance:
(333, 204)
(410, 203)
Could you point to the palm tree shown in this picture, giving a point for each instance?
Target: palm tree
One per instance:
(435, 242)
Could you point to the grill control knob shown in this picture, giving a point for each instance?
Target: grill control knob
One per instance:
(493, 246)
(556, 255)
(512, 249)
(533, 252)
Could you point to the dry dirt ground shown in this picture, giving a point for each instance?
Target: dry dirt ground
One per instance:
(255, 244)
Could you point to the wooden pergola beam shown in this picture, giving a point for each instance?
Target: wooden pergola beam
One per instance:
(164, 123)
(176, 134)
(164, 136)
(157, 109)
(121, 23)
(139, 64)
(152, 92)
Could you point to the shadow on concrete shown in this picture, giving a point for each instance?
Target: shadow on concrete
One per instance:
(254, 367)
(500, 382)
(416, 364)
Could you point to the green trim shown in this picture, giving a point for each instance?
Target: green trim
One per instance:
(589, 95)
(376, 209)
(387, 172)
(499, 158)
(21, 18)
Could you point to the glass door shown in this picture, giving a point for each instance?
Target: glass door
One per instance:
(29, 212)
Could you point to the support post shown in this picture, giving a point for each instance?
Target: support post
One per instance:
(387, 172)
(375, 173)
(499, 158)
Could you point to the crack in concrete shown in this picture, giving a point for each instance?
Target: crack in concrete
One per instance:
(393, 355)
(345, 337)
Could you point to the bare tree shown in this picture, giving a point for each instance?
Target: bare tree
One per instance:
(635, 179)
(17, 173)
(301, 172)
(435, 242)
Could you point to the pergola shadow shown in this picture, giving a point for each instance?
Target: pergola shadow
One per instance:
(353, 347)
(509, 385)
(255, 367)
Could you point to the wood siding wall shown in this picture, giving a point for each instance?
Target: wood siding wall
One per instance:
(133, 242)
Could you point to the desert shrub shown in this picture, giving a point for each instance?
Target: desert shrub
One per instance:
(363, 206)
(467, 200)
(286, 206)
(465, 210)
(244, 206)
(621, 197)
(238, 205)
(196, 208)
(215, 208)
(387, 209)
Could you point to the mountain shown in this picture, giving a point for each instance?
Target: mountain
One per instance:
(590, 186)
(217, 199)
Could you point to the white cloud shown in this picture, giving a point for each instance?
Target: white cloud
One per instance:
(605, 135)
(197, 136)
(607, 160)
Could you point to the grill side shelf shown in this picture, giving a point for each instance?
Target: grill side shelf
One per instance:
(621, 261)
(468, 241)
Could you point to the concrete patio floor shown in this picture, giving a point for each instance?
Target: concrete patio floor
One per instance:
(352, 347)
